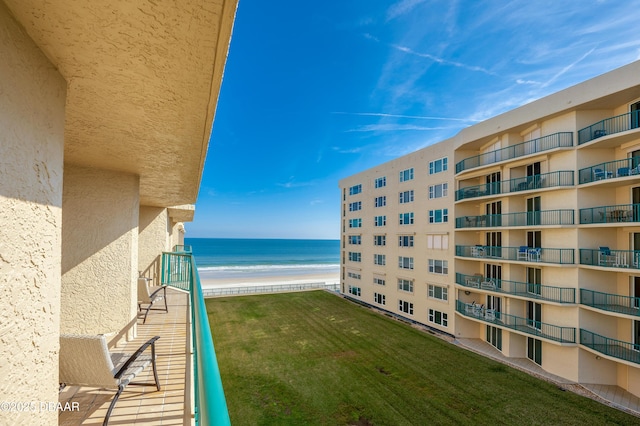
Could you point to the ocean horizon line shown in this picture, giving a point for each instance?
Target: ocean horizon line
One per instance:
(256, 238)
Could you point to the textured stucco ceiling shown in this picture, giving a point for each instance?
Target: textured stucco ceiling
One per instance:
(143, 81)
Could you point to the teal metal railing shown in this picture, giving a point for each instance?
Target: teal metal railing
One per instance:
(611, 347)
(605, 257)
(524, 325)
(516, 288)
(182, 248)
(611, 214)
(526, 183)
(609, 126)
(179, 270)
(523, 253)
(611, 302)
(537, 218)
(545, 143)
(610, 170)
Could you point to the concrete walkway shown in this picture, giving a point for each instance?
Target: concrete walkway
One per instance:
(613, 396)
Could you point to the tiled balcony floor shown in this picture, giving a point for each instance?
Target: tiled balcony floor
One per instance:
(144, 404)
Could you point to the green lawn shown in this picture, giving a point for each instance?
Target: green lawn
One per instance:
(313, 358)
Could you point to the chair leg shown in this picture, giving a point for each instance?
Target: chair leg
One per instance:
(153, 363)
(113, 403)
(146, 313)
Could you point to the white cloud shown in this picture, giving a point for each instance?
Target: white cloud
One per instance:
(401, 8)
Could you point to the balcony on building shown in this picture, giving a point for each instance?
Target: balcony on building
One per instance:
(559, 256)
(616, 214)
(604, 257)
(611, 131)
(611, 173)
(608, 302)
(520, 150)
(558, 217)
(478, 282)
(526, 326)
(611, 348)
(537, 182)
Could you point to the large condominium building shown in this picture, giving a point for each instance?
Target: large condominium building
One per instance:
(106, 110)
(522, 231)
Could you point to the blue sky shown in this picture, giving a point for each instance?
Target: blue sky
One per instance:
(316, 91)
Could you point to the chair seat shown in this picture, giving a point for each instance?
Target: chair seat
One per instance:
(135, 368)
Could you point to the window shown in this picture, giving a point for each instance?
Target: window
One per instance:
(381, 201)
(379, 221)
(439, 266)
(354, 276)
(406, 197)
(380, 182)
(355, 256)
(355, 189)
(379, 281)
(438, 166)
(438, 292)
(405, 307)
(379, 240)
(438, 317)
(355, 239)
(354, 290)
(406, 218)
(406, 175)
(379, 259)
(355, 206)
(438, 241)
(438, 191)
(355, 223)
(380, 299)
(405, 262)
(405, 285)
(438, 216)
(405, 241)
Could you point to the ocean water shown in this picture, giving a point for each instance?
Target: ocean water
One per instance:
(220, 258)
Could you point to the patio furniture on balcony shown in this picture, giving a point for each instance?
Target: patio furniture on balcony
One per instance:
(490, 315)
(599, 133)
(523, 253)
(605, 258)
(148, 297)
(623, 171)
(534, 253)
(473, 281)
(489, 284)
(477, 251)
(599, 174)
(85, 361)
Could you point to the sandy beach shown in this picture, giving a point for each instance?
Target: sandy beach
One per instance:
(211, 282)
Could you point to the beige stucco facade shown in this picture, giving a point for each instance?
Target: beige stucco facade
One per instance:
(544, 232)
(106, 112)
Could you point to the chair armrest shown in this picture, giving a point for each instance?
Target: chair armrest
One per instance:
(151, 342)
(162, 288)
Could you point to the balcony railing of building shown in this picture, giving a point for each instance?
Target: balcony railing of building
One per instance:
(610, 302)
(528, 290)
(611, 214)
(610, 170)
(611, 347)
(526, 183)
(522, 254)
(524, 325)
(182, 248)
(609, 126)
(605, 257)
(545, 143)
(179, 270)
(535, 218)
